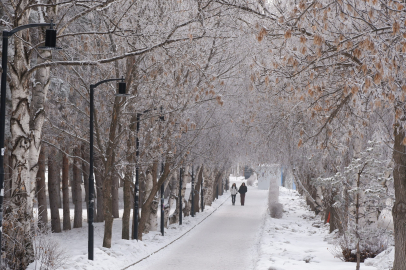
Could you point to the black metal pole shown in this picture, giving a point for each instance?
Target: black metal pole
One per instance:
(162, 203)
(202, 197)
(136, 187)
(90, 212)
(3, 126)
(192, 211)
(217, 191)
(180, 196)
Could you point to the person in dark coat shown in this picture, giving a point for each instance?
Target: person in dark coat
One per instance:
(242, 190)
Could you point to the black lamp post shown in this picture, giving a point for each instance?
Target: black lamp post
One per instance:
(90, 218)
(162, 118)
(180, 195)
(162, 202)
(137, 176)
(50, 44)
(217, 190)
(192, 211)
(202, 195)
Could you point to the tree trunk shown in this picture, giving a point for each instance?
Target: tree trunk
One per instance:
(59, 187)
(208, 186)
(199, 177)
(72, 183)
(108, 210)
(53, 171)
(77, 189)
(26, 121)
(8, 172)
(183, 192)
(114, 195)
(109, 164)
(151, 223)
(146, 207)
(215, 183)
(221, 183)
(399, 208)
(188, 202)
(85, 171)
(65, 193)
(173, 197)
(41, 192)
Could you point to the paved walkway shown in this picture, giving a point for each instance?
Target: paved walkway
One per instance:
(225, 240)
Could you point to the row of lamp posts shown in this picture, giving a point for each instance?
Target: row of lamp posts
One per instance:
(50, 44)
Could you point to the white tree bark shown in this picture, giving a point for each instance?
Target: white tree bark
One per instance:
(173, 197)
(152, 222)
(209, 176)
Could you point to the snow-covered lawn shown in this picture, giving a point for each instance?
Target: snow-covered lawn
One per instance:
(293, 243)
(123, 252)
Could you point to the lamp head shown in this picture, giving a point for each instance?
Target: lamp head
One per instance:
(50, 39)
(122, 92)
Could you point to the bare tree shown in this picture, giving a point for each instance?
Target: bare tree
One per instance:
(65, 193)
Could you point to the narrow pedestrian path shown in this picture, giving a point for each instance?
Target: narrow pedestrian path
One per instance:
(226, 240)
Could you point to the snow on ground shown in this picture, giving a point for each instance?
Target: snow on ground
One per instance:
(123, 252)
(384, 260)
(292, 243)
(222, 237)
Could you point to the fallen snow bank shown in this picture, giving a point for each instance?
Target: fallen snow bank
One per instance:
(384, 260)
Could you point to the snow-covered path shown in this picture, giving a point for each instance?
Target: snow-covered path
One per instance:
(224, 241)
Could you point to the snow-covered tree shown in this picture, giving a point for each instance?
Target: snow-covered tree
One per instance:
(362, 190)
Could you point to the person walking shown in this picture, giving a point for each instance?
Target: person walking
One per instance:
(234, 192)
(242, 190)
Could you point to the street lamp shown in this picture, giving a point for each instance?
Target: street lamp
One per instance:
(121, 92)
(202, 194)
(181, 172)
(50, 44)
(162, 118)
(193, 193)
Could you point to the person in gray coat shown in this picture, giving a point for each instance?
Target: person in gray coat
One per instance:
(234, 192)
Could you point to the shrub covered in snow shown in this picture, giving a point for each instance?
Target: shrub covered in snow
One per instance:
(48, 252)
(372, 242)
(276, 210)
